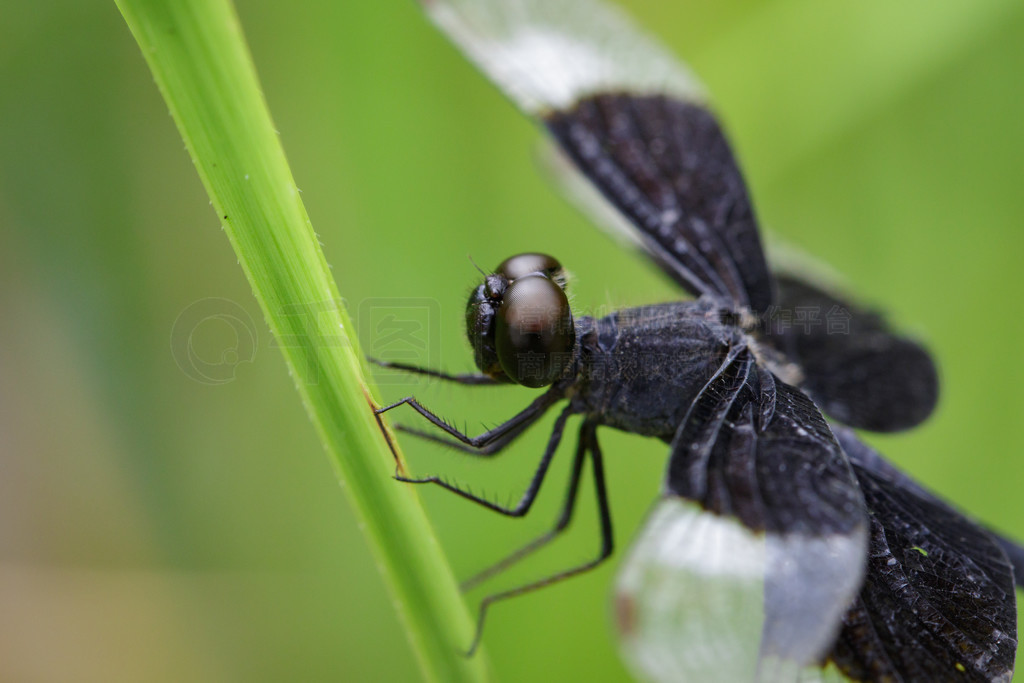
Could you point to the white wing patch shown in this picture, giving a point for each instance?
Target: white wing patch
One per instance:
(702, 598)
(690, 597)
(547, 54)
(809, 585)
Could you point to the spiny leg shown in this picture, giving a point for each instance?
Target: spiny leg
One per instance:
(492, 448)
(530, 495)
(589, 435)
(498, 436)
(563, 522)
(471, 379)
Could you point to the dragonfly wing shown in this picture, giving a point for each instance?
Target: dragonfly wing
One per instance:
(747, 566)
(867, 459)
(632, 120)
(938, 602)
(855, 368)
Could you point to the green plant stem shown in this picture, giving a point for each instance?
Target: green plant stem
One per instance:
(200, 62)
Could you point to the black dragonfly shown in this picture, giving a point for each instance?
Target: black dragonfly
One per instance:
(782, 547)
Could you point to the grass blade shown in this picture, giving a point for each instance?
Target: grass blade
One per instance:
(200, 62)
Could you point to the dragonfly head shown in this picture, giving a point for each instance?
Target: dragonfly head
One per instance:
(519, 322)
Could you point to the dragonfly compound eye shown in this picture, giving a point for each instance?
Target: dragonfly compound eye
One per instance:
(522, 265)
(534, 332)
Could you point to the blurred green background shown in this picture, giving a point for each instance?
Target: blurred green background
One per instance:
(155, 527)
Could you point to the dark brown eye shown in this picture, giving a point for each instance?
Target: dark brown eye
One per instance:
(521, 265)
(534, 331)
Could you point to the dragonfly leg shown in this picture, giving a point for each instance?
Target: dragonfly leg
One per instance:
(471, 379)
(568, 506)
(491, 441)
(529, 496)
(588, 434)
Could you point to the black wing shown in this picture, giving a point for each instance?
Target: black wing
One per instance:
(748, 564)
(666, 165)
(869, 459)
(859, 371)
(938, 601)
(632, 120)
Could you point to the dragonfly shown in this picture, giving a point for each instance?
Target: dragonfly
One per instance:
(780, 546)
